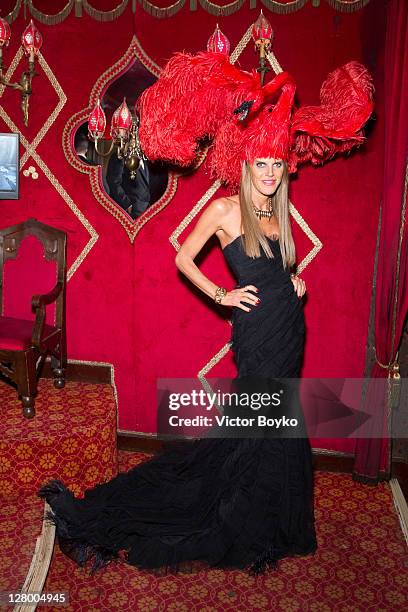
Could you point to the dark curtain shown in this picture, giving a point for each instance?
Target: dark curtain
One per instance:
(391, 296)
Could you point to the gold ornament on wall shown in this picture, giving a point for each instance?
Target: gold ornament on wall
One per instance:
(31, 171)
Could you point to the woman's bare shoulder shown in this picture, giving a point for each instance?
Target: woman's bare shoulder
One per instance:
(226, 204)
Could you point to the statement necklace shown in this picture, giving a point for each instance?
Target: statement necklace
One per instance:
(264, 213)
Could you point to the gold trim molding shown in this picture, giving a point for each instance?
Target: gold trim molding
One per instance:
(159, 12)
(348, 6)
(85, 6)
(49, 19)
(284, 8)
(222, 10)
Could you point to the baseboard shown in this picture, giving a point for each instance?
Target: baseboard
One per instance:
(400, 506)
(323, 460)
(399, 470)
(139, 443)
(81, 371)
(332, 461)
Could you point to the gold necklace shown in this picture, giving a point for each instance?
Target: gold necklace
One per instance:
(264, 213)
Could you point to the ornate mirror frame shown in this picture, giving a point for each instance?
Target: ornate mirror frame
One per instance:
(132, 227)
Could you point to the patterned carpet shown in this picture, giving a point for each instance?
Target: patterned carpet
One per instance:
(361, 565)
(20, 525)
(72, 436)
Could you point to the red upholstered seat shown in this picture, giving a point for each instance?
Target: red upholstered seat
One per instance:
(31, 252)
(15, 334)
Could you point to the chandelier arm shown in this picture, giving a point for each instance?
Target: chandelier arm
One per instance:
(107, 152)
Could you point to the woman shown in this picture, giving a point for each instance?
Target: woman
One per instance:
(239, 503)
(229, 502)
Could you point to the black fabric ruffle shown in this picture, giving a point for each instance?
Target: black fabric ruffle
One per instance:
(230, 503)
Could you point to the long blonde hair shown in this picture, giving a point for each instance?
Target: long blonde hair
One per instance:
(253, 238)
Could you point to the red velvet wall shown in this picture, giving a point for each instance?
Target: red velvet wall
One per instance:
(127, 304)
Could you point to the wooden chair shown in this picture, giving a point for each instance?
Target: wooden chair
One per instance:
(24, 344)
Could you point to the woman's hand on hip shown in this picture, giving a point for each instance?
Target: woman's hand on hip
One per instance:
(242, 294)
(298, 284)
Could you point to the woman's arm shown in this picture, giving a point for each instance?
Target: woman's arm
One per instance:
(210, 221)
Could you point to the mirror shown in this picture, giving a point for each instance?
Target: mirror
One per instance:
(132, 192)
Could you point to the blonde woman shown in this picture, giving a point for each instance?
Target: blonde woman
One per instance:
(229, 502)
(233, 503)
(249, 225)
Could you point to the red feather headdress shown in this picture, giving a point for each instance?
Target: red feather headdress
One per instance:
(205, 97)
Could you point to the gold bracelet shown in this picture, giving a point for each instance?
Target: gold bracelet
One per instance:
(219, 294)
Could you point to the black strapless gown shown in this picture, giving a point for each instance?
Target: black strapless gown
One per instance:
(230, 503)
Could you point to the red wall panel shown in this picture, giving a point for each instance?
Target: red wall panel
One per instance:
(127, 304)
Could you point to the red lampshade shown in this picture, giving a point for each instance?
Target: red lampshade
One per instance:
(97, 122)
(124, 118)
(262, 29)
(5, 33)
(31, 39)
(218, 42)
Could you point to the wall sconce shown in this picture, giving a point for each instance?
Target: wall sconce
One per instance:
(31, 41)
(124, 132)
(262, 34)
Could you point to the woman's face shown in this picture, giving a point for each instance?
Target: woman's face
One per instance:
(266, 175)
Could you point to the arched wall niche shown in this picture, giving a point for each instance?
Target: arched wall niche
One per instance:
(155, 184)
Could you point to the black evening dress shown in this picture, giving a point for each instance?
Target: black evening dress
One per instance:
(229, 503)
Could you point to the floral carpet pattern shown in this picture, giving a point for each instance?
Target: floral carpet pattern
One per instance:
(72, 437)
(20, 525)
(361, 565)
